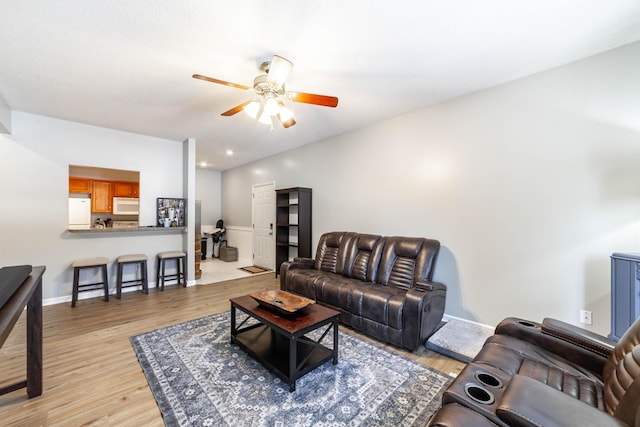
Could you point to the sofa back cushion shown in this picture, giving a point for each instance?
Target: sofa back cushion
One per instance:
(621, 375)
(332, 250)
(363, 257)
(407, 260)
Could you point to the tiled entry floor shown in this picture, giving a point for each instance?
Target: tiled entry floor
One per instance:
(216, 270)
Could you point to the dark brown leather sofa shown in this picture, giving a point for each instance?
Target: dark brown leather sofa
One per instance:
(380, 285)
(547, 374)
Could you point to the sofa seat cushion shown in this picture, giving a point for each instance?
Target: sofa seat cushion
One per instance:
(513, 356)
(302, 281)
(378, 303)
(336, 290)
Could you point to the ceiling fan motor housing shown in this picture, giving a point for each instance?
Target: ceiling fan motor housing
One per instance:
(262, 86)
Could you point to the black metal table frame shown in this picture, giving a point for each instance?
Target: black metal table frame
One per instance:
(29, 294)
(295, 370)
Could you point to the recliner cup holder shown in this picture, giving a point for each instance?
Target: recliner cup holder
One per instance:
(478, 394)
(527, 323)
(487, 379)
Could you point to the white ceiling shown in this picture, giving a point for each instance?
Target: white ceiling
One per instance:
(127, 65)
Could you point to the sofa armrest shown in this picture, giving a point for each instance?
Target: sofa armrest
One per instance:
(528, 402)
(578, 336)
(297, 263)
(533, 332)
(430, 286)
(422, 314)
(456, 415)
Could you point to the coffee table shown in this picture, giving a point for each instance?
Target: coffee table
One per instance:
(278, 341)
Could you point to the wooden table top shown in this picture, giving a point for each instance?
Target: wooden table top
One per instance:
(308, 317)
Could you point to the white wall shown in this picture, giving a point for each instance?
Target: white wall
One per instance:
(241, 238)
(529, 186)
(208, 192)
(34, 164)
(5, 117)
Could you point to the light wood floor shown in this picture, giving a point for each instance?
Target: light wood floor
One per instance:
(91, 373)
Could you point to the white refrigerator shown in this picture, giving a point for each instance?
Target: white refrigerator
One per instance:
(79, 213)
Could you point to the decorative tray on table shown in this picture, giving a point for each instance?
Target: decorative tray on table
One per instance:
(281, 301)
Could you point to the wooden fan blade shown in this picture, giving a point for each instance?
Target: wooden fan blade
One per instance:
(235, 109)
(310, 98)
(220, 82)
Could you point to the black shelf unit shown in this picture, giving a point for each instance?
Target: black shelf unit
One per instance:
(293, 224)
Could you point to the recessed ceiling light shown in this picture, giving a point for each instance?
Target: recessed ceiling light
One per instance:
(229, 152)
(203, 164)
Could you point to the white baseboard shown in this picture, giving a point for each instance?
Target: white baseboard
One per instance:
(100, 293)
(447, 317)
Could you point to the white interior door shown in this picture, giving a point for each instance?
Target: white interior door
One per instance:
(264, 223)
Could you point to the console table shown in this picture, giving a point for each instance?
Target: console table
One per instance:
(29, 294)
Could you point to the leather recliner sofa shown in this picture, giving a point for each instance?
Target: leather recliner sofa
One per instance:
(381, 286)
(547, 374)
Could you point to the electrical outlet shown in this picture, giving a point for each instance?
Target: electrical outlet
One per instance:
(585, 317)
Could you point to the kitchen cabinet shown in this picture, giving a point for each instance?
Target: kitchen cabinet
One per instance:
(79, 185)
(293, 224)
(101, 196)
(125, 189)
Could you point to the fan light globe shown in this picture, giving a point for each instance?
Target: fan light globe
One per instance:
(285, 113)
(265, 118)
(271, 107)
(252, 108)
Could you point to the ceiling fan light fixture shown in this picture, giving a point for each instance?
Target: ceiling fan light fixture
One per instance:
(269, 88)
(252, 108)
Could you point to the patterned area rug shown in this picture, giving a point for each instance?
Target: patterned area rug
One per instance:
(199, 378)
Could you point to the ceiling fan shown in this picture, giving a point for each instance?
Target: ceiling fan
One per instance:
(271, 94)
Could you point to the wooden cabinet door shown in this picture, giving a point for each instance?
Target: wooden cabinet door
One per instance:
(79, 185)
(125, 189)
(101, 197)
(122, 189)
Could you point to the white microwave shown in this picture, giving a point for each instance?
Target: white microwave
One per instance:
(126, 206)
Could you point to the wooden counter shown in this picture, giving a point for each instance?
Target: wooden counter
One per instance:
(129, 230)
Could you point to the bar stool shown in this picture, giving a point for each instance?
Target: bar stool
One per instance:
(89, 263)
(139, 260)
(180, 258)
